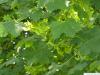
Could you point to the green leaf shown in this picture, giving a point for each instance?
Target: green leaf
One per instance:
(3, 32)
(3, 1)
(96, 3)
(56, 4)
(36, 52)
(53, 4)
(62, 68)
(12, 66)
(95, 66)
(77, 68)
(52, 40)
(69, 27)
(36, 15)
(23, 13)
(13, 28)
(91, 42)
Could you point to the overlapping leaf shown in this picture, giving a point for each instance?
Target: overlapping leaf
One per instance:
(69, 28)
(36, 56)
(10, 27)
(53, 4)
(91, 41)
(16, 67)
(36, 51)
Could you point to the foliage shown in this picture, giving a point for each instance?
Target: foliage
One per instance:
(49, 37)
